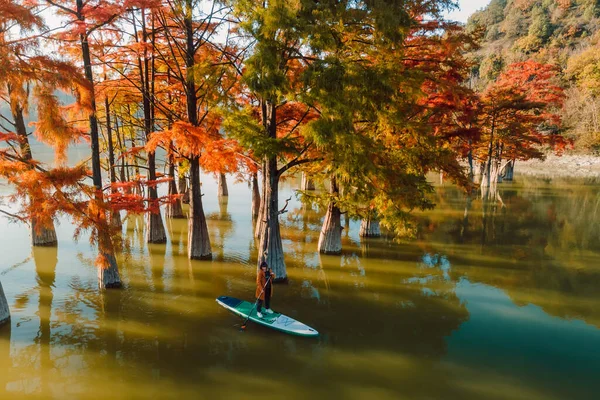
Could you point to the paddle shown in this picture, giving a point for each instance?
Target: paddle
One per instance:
(243, 327)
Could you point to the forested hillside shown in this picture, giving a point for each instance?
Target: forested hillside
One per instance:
(560, 32)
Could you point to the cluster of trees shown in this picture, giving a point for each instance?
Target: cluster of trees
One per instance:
(564, 33)
(368, 96)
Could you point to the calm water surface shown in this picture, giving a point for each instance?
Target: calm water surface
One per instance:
(489, 302)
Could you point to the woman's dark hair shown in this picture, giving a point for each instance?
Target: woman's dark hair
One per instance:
(264, 264)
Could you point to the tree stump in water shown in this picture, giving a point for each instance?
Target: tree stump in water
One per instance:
(183, 189)
(509, 171)
(198, 240)
(155, 230)
(222, 186)
(4, 311)
(42, 235)
(115, 220)
(369, 227)
(173, 208)
(330, 239)
(109, 277)
(307, 183)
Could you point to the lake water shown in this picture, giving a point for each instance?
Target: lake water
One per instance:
(501, 304)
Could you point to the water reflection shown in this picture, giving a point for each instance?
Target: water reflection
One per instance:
(541, 244)
(397, 320)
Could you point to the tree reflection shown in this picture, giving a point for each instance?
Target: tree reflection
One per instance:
(537, 242)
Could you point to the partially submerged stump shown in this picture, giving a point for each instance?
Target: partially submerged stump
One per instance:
(108, 277)
(307, 183)
(4, 311)
(173, 208)
(330, 239)
(509, 171)
(369, 227)
(155, 230)
(184, 189)
(115, 220)
(222, 186)
(42, 235)
(198, 240)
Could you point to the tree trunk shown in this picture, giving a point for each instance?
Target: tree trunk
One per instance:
(42, 235)
(115, 216)
(307, 183)
(262, 216)
(330, 240)
(107, 277)
(271, 248)
(198, 240)
(255, 197)
(183, 186)
(155, 230)
(369, 227)
(173, 209)
(4, 311)
(115, 219)
(509, 171)
(470, 160)
(222, 186)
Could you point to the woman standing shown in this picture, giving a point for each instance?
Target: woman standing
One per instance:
(264, 289)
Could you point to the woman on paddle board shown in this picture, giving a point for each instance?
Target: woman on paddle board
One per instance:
(264, 289)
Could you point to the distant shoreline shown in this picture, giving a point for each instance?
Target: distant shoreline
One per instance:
(572, 165)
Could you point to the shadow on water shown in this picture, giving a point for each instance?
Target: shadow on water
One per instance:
(396, 320)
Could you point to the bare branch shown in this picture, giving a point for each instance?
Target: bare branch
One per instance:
(284, 209)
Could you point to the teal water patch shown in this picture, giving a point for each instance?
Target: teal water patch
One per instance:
(525, 344)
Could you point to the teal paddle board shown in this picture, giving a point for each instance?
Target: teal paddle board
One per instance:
(275, 321)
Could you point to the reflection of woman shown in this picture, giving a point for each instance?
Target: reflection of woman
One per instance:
(264, 289)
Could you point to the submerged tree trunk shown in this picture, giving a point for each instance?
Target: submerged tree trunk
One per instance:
(4, 311)
(107, 277)
(173, 209)
(222, 186)
(198, 240)
(42, 234)
(369, 227)
(271, 248)
(255, 197)
(307, 183)
(183, 185)
(509, 171)
(115, 216)
(330, 240)
(155, 230)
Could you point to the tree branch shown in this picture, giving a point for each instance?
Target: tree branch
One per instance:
(284, 209)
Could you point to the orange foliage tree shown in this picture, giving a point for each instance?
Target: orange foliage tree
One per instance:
(518, 118)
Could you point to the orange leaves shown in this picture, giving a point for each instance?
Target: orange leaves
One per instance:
(51, 127)
(189, 140)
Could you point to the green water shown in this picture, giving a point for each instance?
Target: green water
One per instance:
(502, 304)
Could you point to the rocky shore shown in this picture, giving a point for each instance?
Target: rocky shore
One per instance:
(578, 166)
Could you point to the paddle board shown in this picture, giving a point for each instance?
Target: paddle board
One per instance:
(275, 321)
